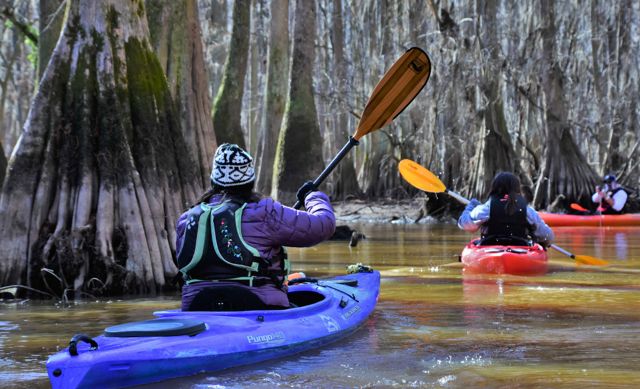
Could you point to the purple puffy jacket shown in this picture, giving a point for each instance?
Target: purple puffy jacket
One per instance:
(267, 225)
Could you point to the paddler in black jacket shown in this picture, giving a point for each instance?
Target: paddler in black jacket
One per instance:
(611, 197)
(505, 218)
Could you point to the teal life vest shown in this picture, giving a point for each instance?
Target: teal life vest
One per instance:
(214, 248)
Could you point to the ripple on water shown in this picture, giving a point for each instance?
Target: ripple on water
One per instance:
(430, 329)
(8, 326)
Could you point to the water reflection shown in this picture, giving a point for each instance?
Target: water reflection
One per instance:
(433, 327)
(608, 242)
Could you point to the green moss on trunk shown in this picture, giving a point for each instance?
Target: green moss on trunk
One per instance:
(156, 139)
(90, 191)
(299, 152)
(228, 102)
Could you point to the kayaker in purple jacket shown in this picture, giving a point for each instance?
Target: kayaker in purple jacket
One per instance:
(230, 246)
(505, 218)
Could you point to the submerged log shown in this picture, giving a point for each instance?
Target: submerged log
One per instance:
(347, 233)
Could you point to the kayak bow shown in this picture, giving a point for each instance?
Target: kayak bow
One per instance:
(497, 259)
(177, 343)
(568, 220)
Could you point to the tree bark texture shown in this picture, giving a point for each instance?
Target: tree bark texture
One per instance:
(564, 169)
(275, 97)
(227, 106)
(378, 167)
(253, 102)
(215, 38)
(299, 150)
(620, 43)
(101, 170)
(17, 73)
(50, 24)
(345, 178)
(481, 82)
(495, 152)
(3, 164)
(175, 36)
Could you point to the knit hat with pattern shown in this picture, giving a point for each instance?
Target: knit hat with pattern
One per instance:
(232, 166)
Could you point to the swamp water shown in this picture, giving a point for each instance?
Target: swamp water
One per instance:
(433, 326)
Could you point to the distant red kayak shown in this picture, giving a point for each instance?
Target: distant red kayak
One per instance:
(517, 260)
(563, 220)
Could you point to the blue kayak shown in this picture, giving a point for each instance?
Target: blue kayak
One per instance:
(177, 344)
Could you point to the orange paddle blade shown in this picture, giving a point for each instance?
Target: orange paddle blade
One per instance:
(578, 207)
(420, 177)
(399, 86)
(581, 259)
(593, 261)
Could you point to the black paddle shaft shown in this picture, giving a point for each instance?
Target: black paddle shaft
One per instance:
(332, 165)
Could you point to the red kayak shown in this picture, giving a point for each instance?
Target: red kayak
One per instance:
(494, 259)
(566, 220)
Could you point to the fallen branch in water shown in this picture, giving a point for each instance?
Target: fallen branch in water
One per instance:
(27, 288)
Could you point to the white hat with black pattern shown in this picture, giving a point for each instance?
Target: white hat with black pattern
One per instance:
(232, 166)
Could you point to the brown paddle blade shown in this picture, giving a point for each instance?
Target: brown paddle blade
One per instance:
(399, 86)
(397, 89)
(420, 177)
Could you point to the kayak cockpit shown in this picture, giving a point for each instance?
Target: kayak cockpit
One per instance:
(303, 298)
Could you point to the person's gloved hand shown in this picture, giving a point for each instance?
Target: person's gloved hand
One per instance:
(304, 190)
(472, 204)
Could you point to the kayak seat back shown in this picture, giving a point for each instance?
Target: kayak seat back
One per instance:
(228, 298)
(495, 240)
(157, 327)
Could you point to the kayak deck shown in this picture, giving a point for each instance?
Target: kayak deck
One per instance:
(499, 259)
(229, 339)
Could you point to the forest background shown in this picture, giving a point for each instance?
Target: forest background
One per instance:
(110, 112)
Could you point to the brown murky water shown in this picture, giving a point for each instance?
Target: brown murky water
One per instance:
(433, 327)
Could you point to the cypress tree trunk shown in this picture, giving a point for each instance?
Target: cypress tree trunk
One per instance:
(4, 84)
(299, 151)
(227, 106)
(176, 38)
(377, 145)
(275, 93)
(495, 151)
(258, 53)
(101, 170)
(614, 157)
(18, 74)
(345, 175)
(564, 168)
(50, 24)
(3, 164)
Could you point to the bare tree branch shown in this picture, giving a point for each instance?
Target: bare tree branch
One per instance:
(8, 14)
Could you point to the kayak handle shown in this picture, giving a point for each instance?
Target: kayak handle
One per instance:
(73, 344)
